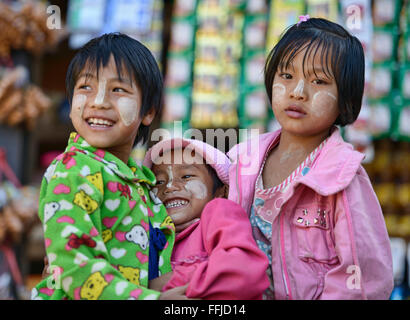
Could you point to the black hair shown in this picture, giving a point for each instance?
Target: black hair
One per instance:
(129, 55)
(217, 183)
(341, 55)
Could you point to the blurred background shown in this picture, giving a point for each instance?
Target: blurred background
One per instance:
(211, 53)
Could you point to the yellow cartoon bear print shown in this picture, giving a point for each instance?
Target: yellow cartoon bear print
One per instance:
(85, 202)
(93, 287)
(107, 235)
(131, 274)
(167, 223)
(97, 181)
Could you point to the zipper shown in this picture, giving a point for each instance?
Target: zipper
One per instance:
(282, 258)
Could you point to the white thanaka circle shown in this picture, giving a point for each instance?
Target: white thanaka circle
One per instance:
(321, 101)
(128, 109)
(78, 103)
(278, 89)
(197, 188)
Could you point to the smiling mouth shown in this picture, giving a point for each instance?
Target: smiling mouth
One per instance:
(175, 203)
(99, 123)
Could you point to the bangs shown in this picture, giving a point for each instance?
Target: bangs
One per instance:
(319, 49)
(90, 65)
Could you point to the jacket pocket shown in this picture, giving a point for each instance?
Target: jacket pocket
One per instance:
(313, 235)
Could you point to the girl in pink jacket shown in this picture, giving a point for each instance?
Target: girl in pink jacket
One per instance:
(214, 251)
(310, 202)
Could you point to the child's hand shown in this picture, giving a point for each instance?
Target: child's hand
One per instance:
(158, 283)
(177, 293)
(45, 273)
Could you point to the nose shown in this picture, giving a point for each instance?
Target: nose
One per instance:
(101, 100)
(171, 187)
(299, 92)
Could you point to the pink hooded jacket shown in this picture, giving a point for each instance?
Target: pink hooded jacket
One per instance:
(347, 257)
(218, 256)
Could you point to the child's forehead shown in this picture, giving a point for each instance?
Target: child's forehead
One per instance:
(180, 156)
(312, 57)
(94, 70)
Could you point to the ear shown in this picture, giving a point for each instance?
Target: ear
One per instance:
(149, 116)
(222, 192)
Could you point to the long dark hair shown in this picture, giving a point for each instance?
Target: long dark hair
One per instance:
(341, 55)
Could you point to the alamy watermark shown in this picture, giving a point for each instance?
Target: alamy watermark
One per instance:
(54, 17)
(221, 139)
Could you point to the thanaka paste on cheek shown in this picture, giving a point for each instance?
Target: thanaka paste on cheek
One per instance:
(128, 109)
(99, 99)
(321, 101)
(197, 188)
(78, 103)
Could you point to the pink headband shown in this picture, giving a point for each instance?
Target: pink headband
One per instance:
(303, 19)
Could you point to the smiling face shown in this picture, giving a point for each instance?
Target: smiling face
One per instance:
(105, 111)
(304, 101)
(184, 188)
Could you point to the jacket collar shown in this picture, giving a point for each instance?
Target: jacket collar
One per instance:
(332, 171)
(130, 171)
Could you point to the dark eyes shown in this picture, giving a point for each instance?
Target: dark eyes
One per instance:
(316, 81)
(286, 76)
(184, 177)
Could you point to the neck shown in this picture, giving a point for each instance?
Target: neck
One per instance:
(297, 147)
(120, 153)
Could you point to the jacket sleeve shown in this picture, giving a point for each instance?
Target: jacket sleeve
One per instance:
(236, 267)
(362, 245)
(75, 247)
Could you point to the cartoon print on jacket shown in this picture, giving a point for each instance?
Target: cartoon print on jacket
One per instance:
(85, 202)
(131, 274)
(51, 208)
(107, 235)
(97, 181)
(138, 235)
(93, 286)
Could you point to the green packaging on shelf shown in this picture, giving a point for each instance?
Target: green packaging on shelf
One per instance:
(253, 69)
(403, 122)
(254, 32)
(327, 9)
(282, 14)
(254, 103)
(381, 80)
(386, 12)
(257, 7)
(182, 34)
(384, 44)
(179, 70)
(380, 118)
(404, 81)
(177, 103)
(184, 8)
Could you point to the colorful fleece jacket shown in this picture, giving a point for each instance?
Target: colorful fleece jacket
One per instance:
(96, 212)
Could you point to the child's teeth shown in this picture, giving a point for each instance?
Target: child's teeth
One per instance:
(176, 203)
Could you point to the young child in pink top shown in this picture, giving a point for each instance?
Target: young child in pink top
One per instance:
(214, 250)
(310, 202)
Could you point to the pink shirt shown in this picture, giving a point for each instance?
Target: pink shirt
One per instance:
(267, 204)
(218, 256)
